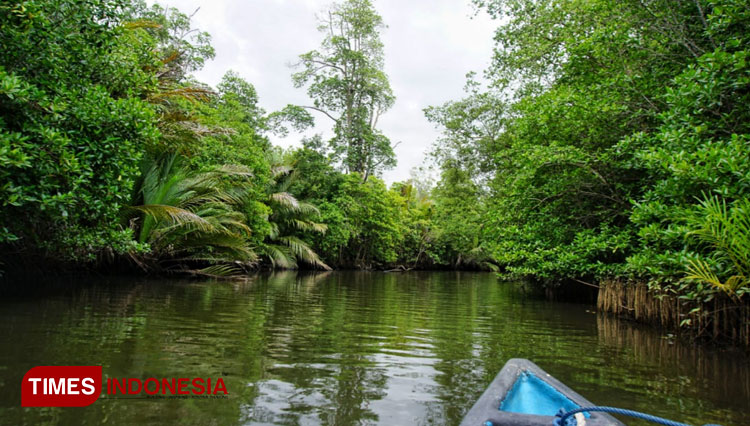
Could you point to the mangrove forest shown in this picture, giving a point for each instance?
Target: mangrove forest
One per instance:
(583, 203)
(606, 146)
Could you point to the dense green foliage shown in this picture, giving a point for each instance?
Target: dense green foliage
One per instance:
(372, 226)
(608, 135)
(66, 167)
(608, 139)
(111, 151)
(108, 147)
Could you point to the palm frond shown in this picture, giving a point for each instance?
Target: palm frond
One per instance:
(289, 217)
(308, 209)
(175, 215)
(228, 170)
(190, 93)
(286, 200)
(279, 170)
(172, 57)
(280, 256)
(274, 231)
(306, 225)
(140, 23)
(216, 178)
(193, 215)
(302, 251)
(701, 271)
(727, 233)
(224, 247)
(221, 271)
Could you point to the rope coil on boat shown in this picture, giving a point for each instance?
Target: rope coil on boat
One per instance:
(567, 419)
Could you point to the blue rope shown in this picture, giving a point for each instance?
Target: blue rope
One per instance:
(567, 419)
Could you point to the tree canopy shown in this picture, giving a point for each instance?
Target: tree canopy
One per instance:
(346, 81)
(610, 134)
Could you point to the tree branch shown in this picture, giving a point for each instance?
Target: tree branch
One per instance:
(326, 64)
(321, 110)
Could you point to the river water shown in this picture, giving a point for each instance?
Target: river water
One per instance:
(345, 348)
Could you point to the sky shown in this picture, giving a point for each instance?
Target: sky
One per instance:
(429, 46)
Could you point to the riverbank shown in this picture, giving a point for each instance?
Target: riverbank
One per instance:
(720, 319)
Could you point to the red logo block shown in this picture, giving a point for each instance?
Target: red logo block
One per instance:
(64, 386)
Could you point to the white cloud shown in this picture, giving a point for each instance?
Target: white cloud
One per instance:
(430, 45)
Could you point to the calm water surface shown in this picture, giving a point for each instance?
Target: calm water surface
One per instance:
(345, 348)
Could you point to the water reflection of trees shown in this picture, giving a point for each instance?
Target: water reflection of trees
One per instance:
(690, 374)
(344, 348)
(133, 328)
(313, 342)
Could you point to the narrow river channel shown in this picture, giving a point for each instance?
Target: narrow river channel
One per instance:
(345, 348)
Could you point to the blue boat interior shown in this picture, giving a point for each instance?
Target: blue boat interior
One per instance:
(532, 395)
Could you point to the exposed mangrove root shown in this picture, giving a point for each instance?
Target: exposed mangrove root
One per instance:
(399, 268)
(721, 319)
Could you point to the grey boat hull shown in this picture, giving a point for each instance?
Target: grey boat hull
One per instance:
(487, 407)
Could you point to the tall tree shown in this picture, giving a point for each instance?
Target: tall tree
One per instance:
(346, 81)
